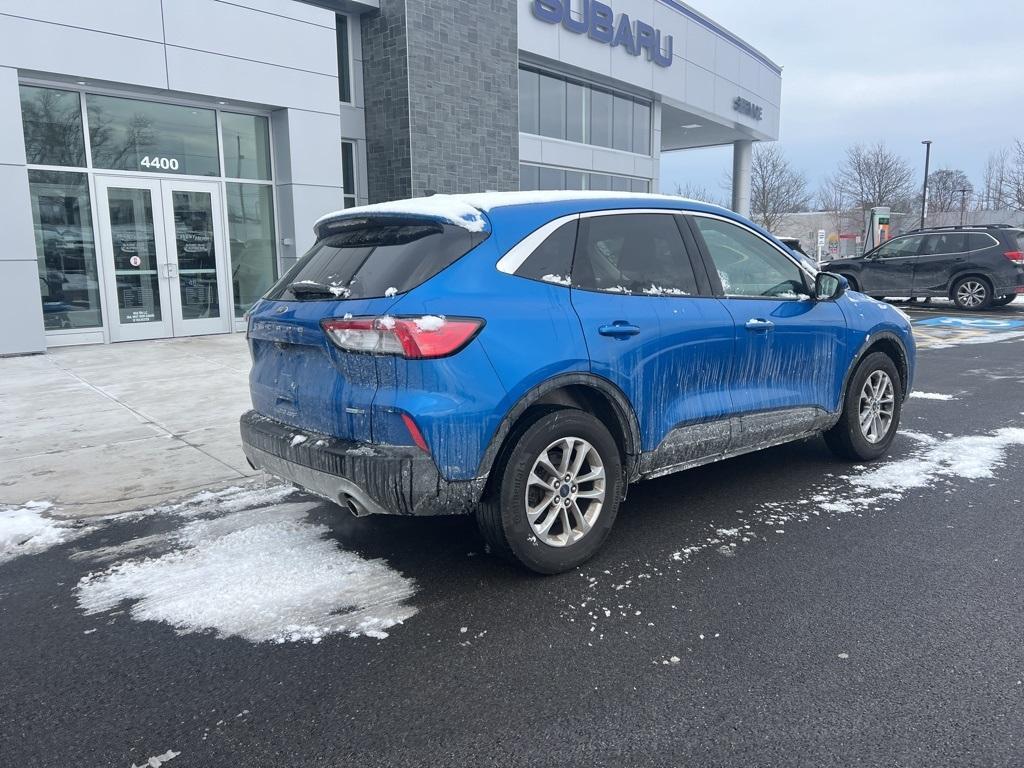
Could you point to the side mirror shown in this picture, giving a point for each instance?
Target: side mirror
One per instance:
(829, 286)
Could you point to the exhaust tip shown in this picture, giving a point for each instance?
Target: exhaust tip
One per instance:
(353, 505)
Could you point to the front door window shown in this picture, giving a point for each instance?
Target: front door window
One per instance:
(196, 254)
(136, 264)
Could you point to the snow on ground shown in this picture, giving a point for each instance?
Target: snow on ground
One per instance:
(244, 564)
(930, 396)
(25, 530)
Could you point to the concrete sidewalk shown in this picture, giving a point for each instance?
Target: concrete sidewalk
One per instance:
(103, 429)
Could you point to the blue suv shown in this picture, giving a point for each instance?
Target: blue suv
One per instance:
(525, 356)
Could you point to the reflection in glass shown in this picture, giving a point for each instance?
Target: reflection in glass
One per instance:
(348, 174)
(65, 250)
(622, 123)
(529, 101)
(134, 135)
(197, 255)
(246, 146)
(52, 122)
(641, 128)
(601, 118)
(135, 258)
(251, 230)
(552, 107)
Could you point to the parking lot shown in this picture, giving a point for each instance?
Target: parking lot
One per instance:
(780, 608)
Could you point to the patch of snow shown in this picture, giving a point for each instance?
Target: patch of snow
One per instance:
(387, 322)
(158, 760)
(658, 290)
(25, 531)
(429, 323)
(557, 279)
(392, 291)
(617, 289)
(340, 291)
(298, 440)
(931, 396)
(262, 574)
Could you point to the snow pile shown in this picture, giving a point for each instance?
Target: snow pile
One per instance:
(24, 530)
(429, 323)
(931, 396)
(557, 279)
(262, 573)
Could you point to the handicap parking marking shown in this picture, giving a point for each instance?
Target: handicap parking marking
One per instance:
(974, 323)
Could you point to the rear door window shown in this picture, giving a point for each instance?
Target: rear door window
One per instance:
(976, 241)
(551, 261)
(363, 261)
(939, 243)
(633, 253)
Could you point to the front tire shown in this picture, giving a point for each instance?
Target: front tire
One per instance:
(972, 293)
(871, 411)
(557, 495)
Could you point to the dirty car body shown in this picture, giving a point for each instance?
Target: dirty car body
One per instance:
(397, 364)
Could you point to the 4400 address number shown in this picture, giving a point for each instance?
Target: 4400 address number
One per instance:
(159, 163)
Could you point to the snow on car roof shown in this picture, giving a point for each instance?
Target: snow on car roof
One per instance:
(467, 210)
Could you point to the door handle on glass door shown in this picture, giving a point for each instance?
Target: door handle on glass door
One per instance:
(170, 270)
(759, 324)
(620, 329)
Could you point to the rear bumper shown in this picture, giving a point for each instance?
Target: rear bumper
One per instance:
(364, 478)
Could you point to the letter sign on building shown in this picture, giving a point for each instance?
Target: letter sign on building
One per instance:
(597, 21)
(748, 108)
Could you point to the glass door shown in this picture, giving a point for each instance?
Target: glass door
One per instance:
(165, 257)
(137, 269)
(193, 230)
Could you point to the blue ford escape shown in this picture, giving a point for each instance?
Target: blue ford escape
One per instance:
(525, 356)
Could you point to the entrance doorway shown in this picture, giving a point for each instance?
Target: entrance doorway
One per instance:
(164, 257)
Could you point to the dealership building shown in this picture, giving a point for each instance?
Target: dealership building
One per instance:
(162, 161)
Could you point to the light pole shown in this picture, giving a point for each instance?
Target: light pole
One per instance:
(924, 193)
(963, 204)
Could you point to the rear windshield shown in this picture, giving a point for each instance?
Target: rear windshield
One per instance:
(373, 260)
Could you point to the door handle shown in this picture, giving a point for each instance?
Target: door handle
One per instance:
(619, 330)
(170, 270)
(759, 324)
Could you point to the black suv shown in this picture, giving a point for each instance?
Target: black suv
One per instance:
(975, 266)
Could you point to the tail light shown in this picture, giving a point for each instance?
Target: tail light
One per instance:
(415, 338)
(1017, 257)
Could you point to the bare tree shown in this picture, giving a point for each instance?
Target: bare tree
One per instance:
(776, 188)
(1013, 196)
(832, 200)
(995, 180)
(699, 193)
(949, 189)
(873, 175)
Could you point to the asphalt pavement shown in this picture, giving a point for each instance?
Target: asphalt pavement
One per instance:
(771, 610)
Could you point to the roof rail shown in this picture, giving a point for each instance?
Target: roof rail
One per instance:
(952, 227)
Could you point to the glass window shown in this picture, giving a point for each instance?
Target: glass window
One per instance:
(638, 185)
(196, 254)
(133, 135)
(600, 181)
(943, 242)
(746, 264)
(641, 128)
(253, 242)
(901, 246)
(575, 180)
(552, 260)
(600, 118)
(551, 178)
(622, 123)
(52, 123)
(344, 70)
(361, 261)
(348, 174)
(528, 177)
(977, 240)
(620, 184)
(529, 101)
(552, 107)
(246, 146)
(576, 112)
(633, 253)
(133, 231)
(65, 250)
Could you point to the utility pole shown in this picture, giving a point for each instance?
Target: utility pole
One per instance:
(924, 193)
(963, 204)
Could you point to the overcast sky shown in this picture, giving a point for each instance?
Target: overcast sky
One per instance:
(905, 70)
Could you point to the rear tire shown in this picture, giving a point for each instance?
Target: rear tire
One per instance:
(972, 293)
(547, 523)
(1002, 301)
(871, 411)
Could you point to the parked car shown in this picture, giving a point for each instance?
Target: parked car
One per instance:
(975, 266)
(526, 356)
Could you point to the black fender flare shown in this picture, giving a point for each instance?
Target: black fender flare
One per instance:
(627, 420)
(902, 365)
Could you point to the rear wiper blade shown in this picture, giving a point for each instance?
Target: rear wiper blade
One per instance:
(313, 287)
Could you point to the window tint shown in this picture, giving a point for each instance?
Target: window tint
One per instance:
(552, 261)
(633, 253)
(901, 246)
(361, 262)
(344, 73)
(943, 242)
(746, 264)
(978, 240)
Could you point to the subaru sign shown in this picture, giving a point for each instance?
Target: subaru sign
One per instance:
(597, 21)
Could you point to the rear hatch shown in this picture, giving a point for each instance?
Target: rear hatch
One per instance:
(358, 267)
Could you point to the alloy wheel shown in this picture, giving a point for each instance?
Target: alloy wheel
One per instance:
(876, 406)
(565, 491)
(971, 293)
